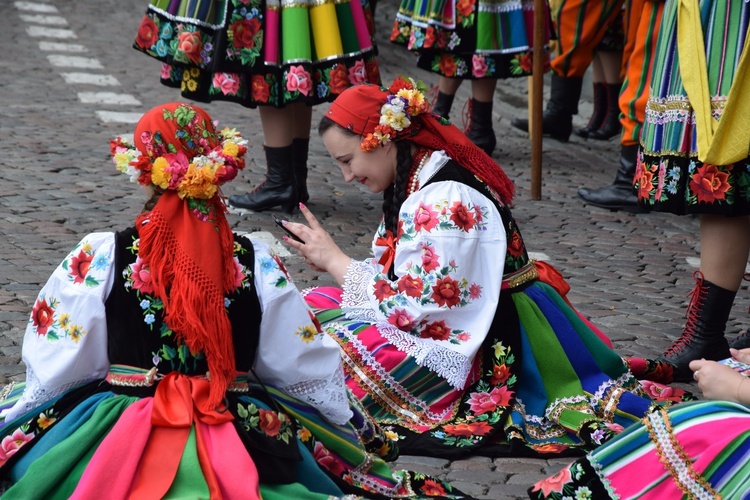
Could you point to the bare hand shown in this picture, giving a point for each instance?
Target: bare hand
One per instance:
(741, 354)
(716, 381)
(319, 251)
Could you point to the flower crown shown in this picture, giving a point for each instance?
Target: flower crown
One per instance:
(198, 177)
(405, 101)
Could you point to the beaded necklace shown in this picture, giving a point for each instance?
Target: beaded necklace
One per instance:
(419, 159)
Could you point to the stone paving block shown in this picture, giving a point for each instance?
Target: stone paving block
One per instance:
(510, 491)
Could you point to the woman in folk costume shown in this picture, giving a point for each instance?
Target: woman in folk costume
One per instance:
(477, 40)
(282, 57)
(450, 333)
(177, 359)
(693, 159)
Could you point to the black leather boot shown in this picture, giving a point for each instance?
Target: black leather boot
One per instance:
(442, 105)
(703, 336)
(277, 189)
(300, 148)
(620, 195)
(480, 126)
(600, 109)
(557, 120)
(610, 126)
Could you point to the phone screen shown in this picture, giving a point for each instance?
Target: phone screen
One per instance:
(287, 231)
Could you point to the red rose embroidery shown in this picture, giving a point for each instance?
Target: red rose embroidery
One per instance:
(500, 373)
(260, 88)
(436, 331)
(525, 62)
(644, 178)
(432, 488)
(383, 290)
(466, 430)
(244, 32)
(515, 245)
(425, 218)
(339, 79)
(190, 43)
(429, 258)
(462, 216)
(447, 65)
(446, 293)
(269, 422)
(42, 316)
(401, 320)
(148, 33)
(464, 7)
(79, 266)
(709, 184)
(411, 285)
(429, 37)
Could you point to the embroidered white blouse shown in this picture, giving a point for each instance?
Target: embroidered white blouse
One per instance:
(449, 261)
(65, 343)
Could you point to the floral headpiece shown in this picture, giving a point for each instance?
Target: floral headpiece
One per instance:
(405, 101)
(198, 177)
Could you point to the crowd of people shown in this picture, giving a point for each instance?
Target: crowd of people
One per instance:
(177, 358)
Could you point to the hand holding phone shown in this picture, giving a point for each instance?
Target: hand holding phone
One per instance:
(287, 231)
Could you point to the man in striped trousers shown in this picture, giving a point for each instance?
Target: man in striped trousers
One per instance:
(642, 21)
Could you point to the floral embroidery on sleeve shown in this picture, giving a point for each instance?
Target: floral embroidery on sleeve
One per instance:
(81, 261)
(50, 323)
(443, 216)
(427, 283)
(274, 270)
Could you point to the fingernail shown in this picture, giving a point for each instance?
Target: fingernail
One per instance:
(302, 205)
(284, 222)
(285, 238)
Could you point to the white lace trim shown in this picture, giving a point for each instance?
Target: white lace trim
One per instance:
(451, 365)
(35, 394)
(327, 395)
(355, 301)
(429, 417)
(454, 367)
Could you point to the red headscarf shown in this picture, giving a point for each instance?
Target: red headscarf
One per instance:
(189, 252)
(357, 109)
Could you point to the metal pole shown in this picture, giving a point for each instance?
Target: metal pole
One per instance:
(537, 87)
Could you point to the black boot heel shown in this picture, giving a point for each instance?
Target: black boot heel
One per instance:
(278, 188)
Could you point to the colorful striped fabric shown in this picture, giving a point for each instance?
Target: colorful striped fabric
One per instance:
(669, 177)
(695, 450)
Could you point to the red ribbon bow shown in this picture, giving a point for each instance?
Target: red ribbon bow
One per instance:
(386, 260)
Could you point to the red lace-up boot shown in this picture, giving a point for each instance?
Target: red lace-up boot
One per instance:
(703, 335)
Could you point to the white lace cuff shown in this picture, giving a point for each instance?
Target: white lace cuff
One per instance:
(355, 301)
(328, 396)
(454, 367)
(35, 394)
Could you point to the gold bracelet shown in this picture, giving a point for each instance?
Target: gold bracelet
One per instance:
(739, 386)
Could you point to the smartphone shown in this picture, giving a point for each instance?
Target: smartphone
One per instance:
(291, 234)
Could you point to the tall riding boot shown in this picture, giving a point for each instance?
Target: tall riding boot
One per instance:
(479, 129)
(620, 195)
(600, 110)
(557, 120)
(610, 126)
(703, 336)
(300, 148)
(442, 105)
(277, 189)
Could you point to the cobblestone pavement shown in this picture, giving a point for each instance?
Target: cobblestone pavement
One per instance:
(70, 82)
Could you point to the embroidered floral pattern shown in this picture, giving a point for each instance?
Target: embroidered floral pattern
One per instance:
(81, 261)
(268, 422)
(13, 442)
(684, 185)
(488, 402)
(50, 323)
(274, 271)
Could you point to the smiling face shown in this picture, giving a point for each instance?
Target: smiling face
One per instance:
(375, 169)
